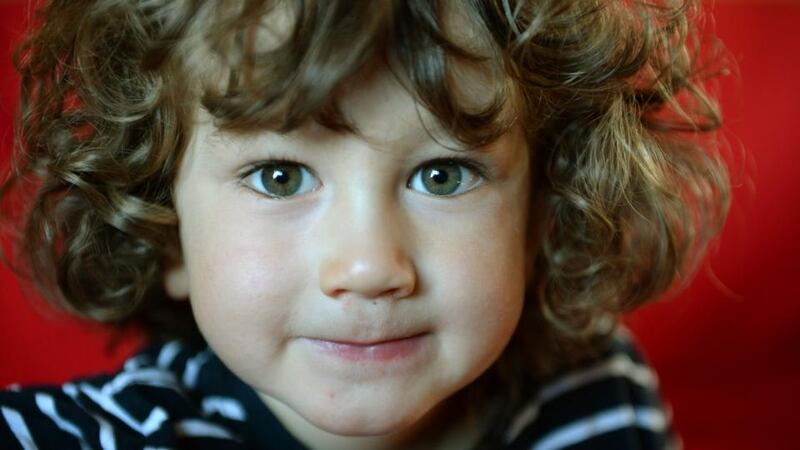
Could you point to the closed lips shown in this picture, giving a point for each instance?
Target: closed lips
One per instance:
(378, 350)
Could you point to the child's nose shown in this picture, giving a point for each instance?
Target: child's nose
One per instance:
(364, 255)
(366, 273)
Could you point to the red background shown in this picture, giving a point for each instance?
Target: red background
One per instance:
(726, 349)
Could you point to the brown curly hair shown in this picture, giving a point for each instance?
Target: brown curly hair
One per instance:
(611, 96)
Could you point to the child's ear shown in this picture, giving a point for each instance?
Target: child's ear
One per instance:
(176, 281)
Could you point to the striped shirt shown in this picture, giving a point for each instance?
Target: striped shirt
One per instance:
(173, 396)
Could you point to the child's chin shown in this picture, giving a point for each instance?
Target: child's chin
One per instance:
(359, 414)
(363, 422)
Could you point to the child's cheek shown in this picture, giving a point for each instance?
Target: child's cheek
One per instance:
(243, 276)
(477, 279)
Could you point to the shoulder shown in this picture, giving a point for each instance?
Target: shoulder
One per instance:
(611, 402)
(151, 402)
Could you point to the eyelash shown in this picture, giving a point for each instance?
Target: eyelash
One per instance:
(478, 168)
(253, 168)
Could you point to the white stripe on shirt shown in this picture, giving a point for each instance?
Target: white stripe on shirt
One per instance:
(193, 366)
(618, 365)
(107, 441)
(168, 353)
(19, 428)
(47, 405)
(603, 422)
(225, 406)
(147, 376)
(149, 425)
(201, 428)
(106, 436)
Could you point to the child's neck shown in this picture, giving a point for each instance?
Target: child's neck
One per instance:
(451, 425)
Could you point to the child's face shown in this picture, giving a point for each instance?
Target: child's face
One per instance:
(369, 243)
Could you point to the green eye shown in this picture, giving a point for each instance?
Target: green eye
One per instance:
(444, 178)
(281, 179)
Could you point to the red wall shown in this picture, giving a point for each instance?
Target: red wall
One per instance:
(726, 349)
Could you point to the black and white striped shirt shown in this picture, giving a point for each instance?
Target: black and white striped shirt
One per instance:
(172, 396)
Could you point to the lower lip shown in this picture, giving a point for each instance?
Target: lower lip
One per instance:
(383, 351)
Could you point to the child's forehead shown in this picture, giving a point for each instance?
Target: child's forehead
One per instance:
(383, 112)
(397, 127)
(377, 95)
(381, 105)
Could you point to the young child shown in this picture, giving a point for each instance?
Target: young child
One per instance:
(361, 225)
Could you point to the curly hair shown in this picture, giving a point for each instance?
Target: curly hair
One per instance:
(610, 94)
